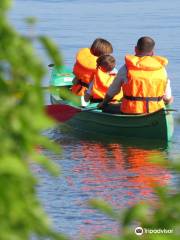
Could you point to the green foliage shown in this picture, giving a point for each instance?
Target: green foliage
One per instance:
(5, 4)
(105, 208)
(51, 50)
(22, 121)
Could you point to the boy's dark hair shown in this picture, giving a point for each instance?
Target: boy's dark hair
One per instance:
(106, 61)
(100, 47)
(145, 44)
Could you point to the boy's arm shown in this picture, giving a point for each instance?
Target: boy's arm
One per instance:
(168, 98)
(87, 94)
(85, 100)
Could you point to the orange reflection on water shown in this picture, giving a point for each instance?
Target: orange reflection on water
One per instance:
(112, 166)
(121, 175)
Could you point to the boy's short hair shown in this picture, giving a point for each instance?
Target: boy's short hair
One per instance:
(145, 44)
(106, 61)
(100, 47)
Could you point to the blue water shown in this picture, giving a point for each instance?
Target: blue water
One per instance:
(94, 167)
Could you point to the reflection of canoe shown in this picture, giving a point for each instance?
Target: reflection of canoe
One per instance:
(157, 125)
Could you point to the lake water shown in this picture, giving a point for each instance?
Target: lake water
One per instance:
(119, 172)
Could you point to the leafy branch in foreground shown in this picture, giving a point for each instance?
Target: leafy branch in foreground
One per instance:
(21, 124)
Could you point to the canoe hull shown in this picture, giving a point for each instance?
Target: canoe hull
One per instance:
(154, 126)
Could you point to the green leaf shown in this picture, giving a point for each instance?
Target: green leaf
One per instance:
(104, 207)
(13, 166)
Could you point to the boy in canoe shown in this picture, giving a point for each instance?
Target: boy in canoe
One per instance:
(85, 65)
(143, 80)
(103, 78)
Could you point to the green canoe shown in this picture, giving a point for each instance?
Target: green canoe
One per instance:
(155, 126)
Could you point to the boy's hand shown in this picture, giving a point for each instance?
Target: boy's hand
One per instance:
(87, 97)
(168, 101)
(100, 105)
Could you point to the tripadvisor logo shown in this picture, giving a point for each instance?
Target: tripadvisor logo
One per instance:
(139, 231)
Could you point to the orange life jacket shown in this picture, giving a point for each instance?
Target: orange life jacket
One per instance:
(147, 79)
(101, 83)
(84, 70)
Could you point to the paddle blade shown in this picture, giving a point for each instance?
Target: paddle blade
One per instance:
(61, 112)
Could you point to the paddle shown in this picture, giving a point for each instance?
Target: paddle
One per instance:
(51, 65)
(171, 110)
(63, 112)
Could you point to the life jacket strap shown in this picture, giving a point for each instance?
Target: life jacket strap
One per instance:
(146, 99)
(98, 100)
(95, 100)
(83, 84)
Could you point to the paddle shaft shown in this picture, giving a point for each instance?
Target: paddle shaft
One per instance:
(171, 110)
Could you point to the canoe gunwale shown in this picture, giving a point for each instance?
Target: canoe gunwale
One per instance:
(84, 109)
